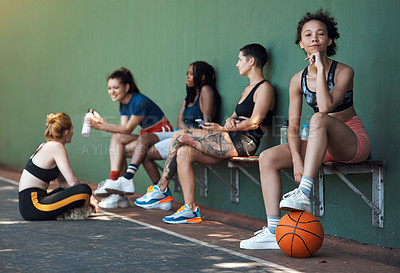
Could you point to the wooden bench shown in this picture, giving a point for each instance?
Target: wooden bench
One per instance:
(373, 167)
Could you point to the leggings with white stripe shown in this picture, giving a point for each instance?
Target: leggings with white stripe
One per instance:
(37, 204)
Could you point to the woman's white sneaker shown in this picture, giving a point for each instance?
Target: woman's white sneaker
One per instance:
(263, 239)
(295, 200)
(114, 201)
(120, 186)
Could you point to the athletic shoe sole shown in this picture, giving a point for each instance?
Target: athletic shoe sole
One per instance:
(165, 204)
(269, 245)
(102, 193)
(195, 220)
(118, 191)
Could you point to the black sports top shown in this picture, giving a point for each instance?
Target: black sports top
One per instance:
(246, 107)
(45, 175)
(311, 97)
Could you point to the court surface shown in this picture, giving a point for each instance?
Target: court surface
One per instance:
(136, 240)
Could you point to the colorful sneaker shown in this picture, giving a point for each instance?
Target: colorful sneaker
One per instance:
(184, 215)
(120, 186)
(155, 199)
(114, 201)
(295, 200)
(263, 239)
(101, 191)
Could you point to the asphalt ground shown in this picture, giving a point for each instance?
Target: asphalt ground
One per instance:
(136, 240)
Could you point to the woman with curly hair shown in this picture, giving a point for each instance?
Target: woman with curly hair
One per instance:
(50, 162)
(336, 132)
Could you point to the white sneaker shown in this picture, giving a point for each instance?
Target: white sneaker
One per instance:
(114, 201)
(120, 186)
(101, 191)
(264, 239)
(295, 200)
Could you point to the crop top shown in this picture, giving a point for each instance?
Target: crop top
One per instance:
(45, 175)
(246, 107)
(193, 112)
(311, 97)
(140, 105)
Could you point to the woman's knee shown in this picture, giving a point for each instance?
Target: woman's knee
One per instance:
(184, 155)
(270, 158)
(319, 120)
(116, 138)
(83, 188)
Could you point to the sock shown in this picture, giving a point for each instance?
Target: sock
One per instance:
(129, 175)
(155, 183)
(114, 175)
(306, 184)
(272, 223)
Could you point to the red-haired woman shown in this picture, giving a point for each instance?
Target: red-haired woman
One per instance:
(50, 162)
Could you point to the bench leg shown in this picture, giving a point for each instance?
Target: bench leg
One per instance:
(377, 196)
(203, 182)
(319, 190)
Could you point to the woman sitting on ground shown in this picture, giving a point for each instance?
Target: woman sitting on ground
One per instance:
(50, 162)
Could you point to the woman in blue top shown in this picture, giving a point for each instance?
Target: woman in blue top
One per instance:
(336, 132)
(135, 109)
(202, 101)
(240, 135)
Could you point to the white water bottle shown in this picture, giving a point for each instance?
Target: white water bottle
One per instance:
(86, 129)
(304, 132)
(284, 131)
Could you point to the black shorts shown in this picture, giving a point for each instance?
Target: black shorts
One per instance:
(246, 142)
(37, 204)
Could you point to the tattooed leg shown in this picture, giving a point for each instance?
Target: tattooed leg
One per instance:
(211, 143)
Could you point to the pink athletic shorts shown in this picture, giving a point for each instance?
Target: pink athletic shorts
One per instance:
(363, 144)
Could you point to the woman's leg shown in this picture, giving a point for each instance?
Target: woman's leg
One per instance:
(142, 146)
(150, 166)
(121, 145)
(271, 161)
(186, 156)
(215, 144)
(328, 133)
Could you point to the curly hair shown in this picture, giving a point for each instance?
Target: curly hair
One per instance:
(330, 23)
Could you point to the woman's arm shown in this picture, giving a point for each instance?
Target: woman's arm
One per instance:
(295, 108)
(67, 177)
(181, 122)
(328, 101)
(207, 103)
(126, 127)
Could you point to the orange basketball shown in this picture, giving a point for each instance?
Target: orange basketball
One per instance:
(299, 234)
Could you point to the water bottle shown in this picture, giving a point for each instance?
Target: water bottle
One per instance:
(86, 129)
(284, 131)
(304, 132)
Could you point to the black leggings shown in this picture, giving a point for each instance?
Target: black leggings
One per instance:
(37, 204)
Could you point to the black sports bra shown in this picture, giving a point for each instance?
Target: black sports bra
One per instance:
(246, 107)
(311, 97)
(45, 175)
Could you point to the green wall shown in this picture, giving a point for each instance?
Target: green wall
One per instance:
(56, 55)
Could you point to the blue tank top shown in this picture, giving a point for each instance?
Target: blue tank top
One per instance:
(140, 105)
(193, 112)
(311, 96)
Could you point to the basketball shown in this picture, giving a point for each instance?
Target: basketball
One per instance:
(299, 234)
